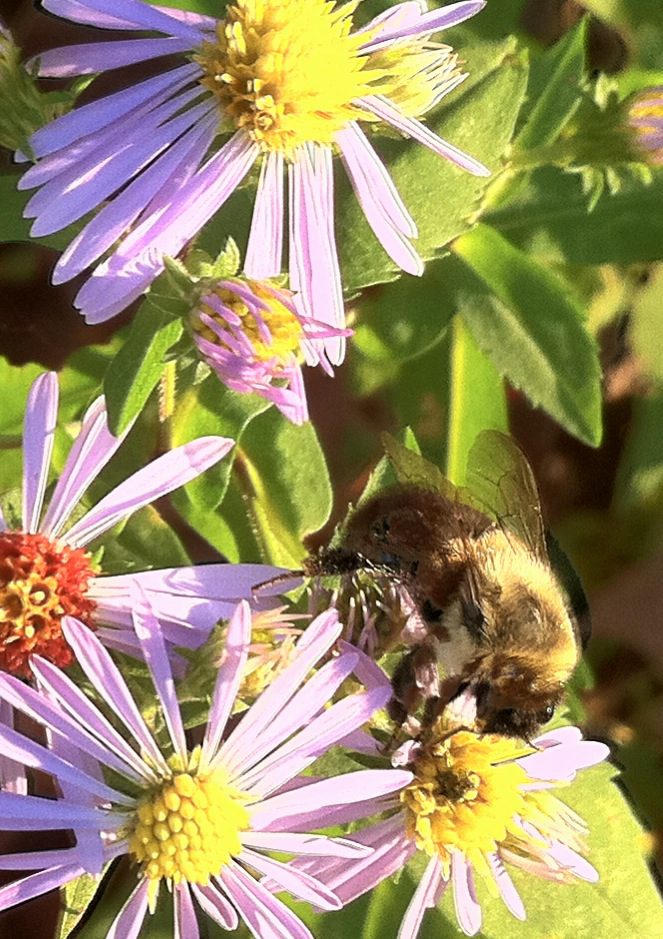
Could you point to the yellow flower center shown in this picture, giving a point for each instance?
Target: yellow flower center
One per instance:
(273, 333)
(465, 794)
(188, 829)
(291, 71)
(40, 582)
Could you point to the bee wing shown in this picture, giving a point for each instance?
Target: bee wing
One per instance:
(412, 468)
(502, 484)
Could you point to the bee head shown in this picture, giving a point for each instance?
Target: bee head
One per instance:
(513, 698)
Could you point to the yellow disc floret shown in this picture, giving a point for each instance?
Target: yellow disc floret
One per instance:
(189, 828)
(287, 70)
(471, 794)
(292, 72)
(465, 794)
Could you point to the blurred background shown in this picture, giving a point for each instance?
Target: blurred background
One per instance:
(605, 505)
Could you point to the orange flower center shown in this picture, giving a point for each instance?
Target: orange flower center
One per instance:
(40, 582)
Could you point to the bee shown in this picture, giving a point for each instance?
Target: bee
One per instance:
(496, 617)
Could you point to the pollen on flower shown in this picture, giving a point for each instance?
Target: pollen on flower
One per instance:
(252, 312)
(40, 582)
(287, 70)
(291, 72)
(189, 828)
(471, 794)
(465, 794)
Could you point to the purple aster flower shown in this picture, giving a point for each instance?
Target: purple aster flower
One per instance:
(645, 114)
(253, 336)
(281, 83)
(204, 820)
(47, 571)
(476, 803)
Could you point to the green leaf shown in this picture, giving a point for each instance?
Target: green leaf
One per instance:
(13, 227)
(531, 328)
(646, 332)
(640, 475)
(549, 217)
(476, 400)
(145, 541)
(135, 371)
(400, 321)
(227, 528)
(624, 902)
(479, 119)
(292, 494)
(18, 379)
(211, 408)
(76, 896)
(553, 92)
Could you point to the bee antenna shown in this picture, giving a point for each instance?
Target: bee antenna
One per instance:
(275, 581)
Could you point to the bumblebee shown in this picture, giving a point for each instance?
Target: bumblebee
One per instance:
(496, 617)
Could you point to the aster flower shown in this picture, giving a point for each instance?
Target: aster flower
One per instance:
(47, 571)
(476, 804)
(646, 120)
(290, 82)
(205, 820)
(253, 336)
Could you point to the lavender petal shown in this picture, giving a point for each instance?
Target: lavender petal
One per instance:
(91, 451)
(146, 17)
(265, 247)
(320, 735)
(105, 740)
(37, 884)
(39, 708)
(154, 651)
(299, 884)
(376, 178)
(423, 899)
(562, 762)
(164, 230)
(74, 193)
(283, 809)
(304, 844)
(93, 117)
(228, 679)
(216, 906)
(186, 925)
(506, 887)
(314, 268)
(129, 921)
(41, 412)
(167, 472)
(236, 754)
(76, 11)
(413, 128)
(365, 179)
(32, 813)
(429, 22)
(301, 709)
(92, 57)
(265, 916)
(468, 911)
(113, 220)
(12, 774)
(108, 681)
